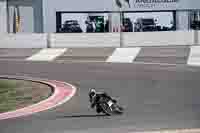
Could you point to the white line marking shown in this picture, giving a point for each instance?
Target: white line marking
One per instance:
(74, 89)
(124, 55)
(47, 54)
(172, 131)
(194, 57)
(26, 110)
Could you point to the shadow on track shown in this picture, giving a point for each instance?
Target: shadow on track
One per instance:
(98, 116)
(82, 116)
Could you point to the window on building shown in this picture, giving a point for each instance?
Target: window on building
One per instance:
(82, 22)
(148, 21)
(195, 20)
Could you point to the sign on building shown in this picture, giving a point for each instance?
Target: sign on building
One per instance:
(155, 4)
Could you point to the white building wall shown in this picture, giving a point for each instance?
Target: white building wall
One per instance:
(3, 16)
(182, 20)
(25, 13)
(30, 12)
(51, 6)
(40, 15)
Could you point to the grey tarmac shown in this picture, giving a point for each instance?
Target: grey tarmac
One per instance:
(162, 54)
(154, 96)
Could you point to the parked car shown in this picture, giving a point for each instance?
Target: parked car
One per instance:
(145, 24)
(71, 26)
(127, 25)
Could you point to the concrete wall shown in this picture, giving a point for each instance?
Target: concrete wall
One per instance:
(23, 40)
(158, 38)
(85, 40)
(135, 39)
(3, 16)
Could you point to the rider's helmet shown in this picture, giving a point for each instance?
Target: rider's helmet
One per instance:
(92, 93)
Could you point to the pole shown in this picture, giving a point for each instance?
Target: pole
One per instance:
(14, 20)
(120, 28)
(8, 16)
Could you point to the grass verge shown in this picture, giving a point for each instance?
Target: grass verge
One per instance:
(15, 94)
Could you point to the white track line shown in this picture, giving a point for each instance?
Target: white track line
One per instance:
(67, 97)
(27, 110)
(194, 57)
(172, 131)
(124, 55)
(47, 54)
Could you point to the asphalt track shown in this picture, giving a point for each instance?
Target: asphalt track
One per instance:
(154, 96)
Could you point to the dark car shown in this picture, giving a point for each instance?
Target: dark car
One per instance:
(71, 26)
(145, 24)
(127, 25)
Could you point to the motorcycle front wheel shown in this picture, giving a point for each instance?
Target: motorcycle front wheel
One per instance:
(106, 109)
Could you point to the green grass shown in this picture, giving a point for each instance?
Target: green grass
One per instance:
(8, 95)
(15, 94)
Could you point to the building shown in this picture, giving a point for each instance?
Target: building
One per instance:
(49, 15)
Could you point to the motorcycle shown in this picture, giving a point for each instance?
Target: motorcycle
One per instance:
(109, 107)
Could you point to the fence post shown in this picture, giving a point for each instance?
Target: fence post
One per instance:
(196, 37)
(120, 28)
(48, 40)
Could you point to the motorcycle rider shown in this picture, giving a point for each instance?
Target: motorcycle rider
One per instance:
(96, 96)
